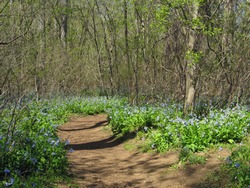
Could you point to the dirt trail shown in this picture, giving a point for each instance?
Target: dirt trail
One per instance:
(100, 160)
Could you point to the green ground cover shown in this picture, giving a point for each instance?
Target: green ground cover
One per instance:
(31, 154)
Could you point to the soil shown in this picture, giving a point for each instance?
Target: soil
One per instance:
(100, 160)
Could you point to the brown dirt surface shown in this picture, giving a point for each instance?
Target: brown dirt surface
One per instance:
(100, 160)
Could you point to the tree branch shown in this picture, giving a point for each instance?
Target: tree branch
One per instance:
(6, 43)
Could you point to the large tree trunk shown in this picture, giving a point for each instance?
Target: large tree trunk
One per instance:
(190, 64)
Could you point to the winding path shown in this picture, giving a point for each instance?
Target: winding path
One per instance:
(99, 160)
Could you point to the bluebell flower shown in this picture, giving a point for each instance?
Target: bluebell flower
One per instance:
(34, 184)
(27, 139)
(237, 165)
(220, 148)
(10, 183)
(53, 153)
(52, 142)
(153, 146)
(6, 171)
(34, 161)
(57, 142)
(1, 137)
(71, 150)
(67, 142)
(55, 126)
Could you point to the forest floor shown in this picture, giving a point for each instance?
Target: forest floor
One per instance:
(100, 160)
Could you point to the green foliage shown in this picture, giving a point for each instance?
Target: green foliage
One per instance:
(187, 156)
(234, 173)
(163, 128)
(166, 129)
(132, 118)
(238, 165)
(162, 14)
(32, 148)
(30, 151)
(193, 57)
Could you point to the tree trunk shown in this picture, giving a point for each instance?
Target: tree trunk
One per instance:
(190, 65)
(64, 22)
(125, 4)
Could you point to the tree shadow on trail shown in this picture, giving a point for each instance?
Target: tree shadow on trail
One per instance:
(100, 123)
(112, 141)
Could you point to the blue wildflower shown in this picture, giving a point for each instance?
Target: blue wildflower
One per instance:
(34, 184)
(10, 183)
(153, 146)
(34, 161)
(57, 142)
(71, 150)
(67, 142)
(220, 148)
(52, 142)
(27, 139)
(237, 165)
(228, 160)
(6, 171)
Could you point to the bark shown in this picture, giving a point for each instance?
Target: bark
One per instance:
(190, 65)
(108, 49)
(64, 22)
(126, 35)
(97, 48)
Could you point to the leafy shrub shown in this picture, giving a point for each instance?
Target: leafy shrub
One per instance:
(168, 129)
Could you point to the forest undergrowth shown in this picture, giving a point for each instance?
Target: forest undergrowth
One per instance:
(32, 155)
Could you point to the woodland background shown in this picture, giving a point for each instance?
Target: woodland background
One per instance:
(144, 49)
